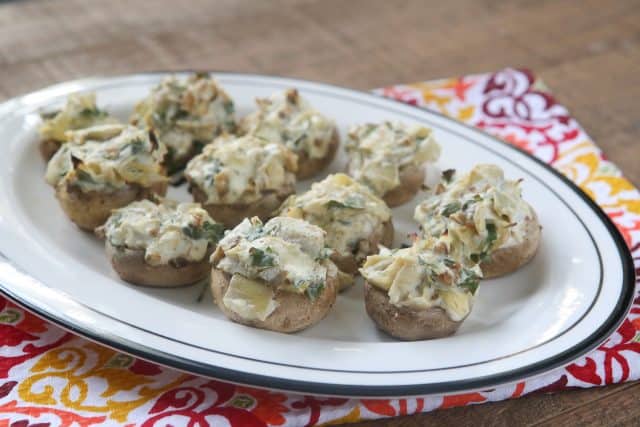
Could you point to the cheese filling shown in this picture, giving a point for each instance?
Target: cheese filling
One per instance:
(79, 112)
(288, 119)
(167, 232)
(283, 254)
(107, 157)
(476, 213)
(348, 211)
(424, 276)
(242, 169)
(186, 114)
(379, 153)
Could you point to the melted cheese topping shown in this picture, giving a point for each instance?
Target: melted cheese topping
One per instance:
(348, 211)
(477, 213)
(107, 157)
(166, 231)
(79, 112)
(424, 276)
(378, 153)
(288, 119)
(187, 113)
(241, 170)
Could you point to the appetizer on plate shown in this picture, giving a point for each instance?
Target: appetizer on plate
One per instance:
(356, 220)
(79, 112)
(288, 119)
(274, 276)
(185, 115)
(389, 158)
(160, 244)
(105, 167)
(240, 177)
(484, 218)
(419, 292)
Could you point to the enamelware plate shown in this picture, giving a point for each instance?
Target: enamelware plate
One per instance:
(564, 303)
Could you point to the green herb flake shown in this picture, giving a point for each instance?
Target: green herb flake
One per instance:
(137, 146)
(450, 209)
(470, 281)
(448, 174)
(84, 176)
(260, 258)
(314, 290)
(93, 113)
(228, 107)
(192, 232)
(213, 231)
(349, 203)
(449, 262)
(492, 234)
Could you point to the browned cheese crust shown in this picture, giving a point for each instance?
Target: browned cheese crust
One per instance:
(407, 323)
(91, 209)
(131, 267)
(293, 313)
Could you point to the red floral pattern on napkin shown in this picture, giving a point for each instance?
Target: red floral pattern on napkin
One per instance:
(51, 378)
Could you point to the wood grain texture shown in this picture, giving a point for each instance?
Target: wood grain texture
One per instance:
(588, 53)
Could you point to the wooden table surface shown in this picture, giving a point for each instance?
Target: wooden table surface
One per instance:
(588, 53)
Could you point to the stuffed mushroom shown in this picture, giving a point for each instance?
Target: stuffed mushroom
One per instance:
(356, 220)
(288, 119)
(419, 292)
(160, 244)
(80, 112)
(104, 168)
(185, 115)
(390, 158)
(239, 177)
(484, 219)
(275, 276)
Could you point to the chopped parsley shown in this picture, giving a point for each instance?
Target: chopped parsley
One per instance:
(448, 174)
(314, 290)
(260, 258)
(93, 113)
(449, 262)
(192, 232)
(228, 107)
(84, 176)
(450, 209)
(213, 231)
(210, 231)
(470, 281)
(492, 234)
(137, 146)
(349, 203)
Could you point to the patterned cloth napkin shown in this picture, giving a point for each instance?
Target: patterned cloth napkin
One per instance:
(49, 377)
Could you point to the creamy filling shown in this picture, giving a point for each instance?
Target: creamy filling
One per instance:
(424, 276)
(288, 119)
(379, 153)
(107, 157)
(166, 232)
(476, 213)
(79, 112)
(264, 257)
(186, 114)
(242, 170)
(348, 211)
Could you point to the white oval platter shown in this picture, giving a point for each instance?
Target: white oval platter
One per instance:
(561, 305)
